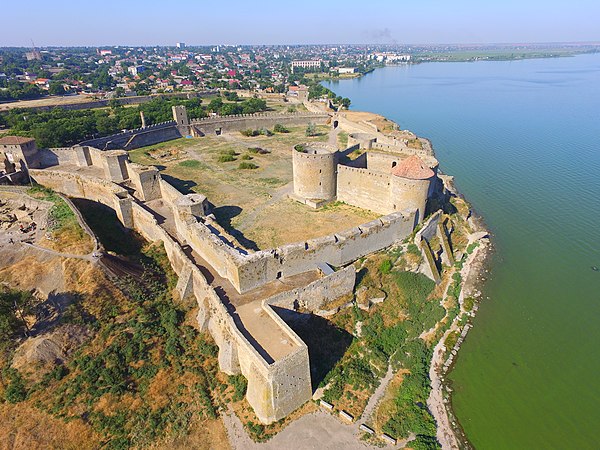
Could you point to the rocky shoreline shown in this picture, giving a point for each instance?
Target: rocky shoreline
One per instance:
(449, 432)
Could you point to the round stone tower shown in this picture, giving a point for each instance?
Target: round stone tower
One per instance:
(314, 166)
(410, 185)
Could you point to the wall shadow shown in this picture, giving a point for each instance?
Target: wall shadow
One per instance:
(183, 186)
(110, 231)
(326, 342)
(224, 214)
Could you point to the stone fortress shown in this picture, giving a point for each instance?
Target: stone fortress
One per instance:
(239, 291)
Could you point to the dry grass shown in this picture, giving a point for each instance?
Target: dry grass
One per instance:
(252, 201)
(23, 426)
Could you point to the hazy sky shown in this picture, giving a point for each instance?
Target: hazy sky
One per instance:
(198, 22)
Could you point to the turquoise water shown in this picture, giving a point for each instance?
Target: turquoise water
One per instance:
(522, 139)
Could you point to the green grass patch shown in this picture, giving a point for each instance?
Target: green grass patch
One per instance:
(191, 164)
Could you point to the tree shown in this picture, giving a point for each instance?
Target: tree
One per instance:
(56, 89)
(311, 129)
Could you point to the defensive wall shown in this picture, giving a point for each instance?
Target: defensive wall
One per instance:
(166, 131)
(138, 137)
(364, 188)
(275, 387)
(219, 124)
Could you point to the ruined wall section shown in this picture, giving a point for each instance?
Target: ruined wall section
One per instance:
(274, 390)
(314, 296)
(91, 188)
(337, 250)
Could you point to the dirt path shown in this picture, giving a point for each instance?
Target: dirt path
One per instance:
(318, 431)
(377, 395)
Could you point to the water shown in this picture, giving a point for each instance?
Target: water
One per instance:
(523, 141)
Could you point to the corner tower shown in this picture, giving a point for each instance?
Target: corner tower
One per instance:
(409, 187)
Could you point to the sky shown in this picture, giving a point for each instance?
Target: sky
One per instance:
(202, 22)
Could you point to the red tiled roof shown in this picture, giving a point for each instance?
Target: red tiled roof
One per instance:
(15, 140)
(414, 168)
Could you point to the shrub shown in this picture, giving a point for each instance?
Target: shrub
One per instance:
(239, 386)
(226, 158)
(468, 303)
(385, 267)
(246, 157)
(247, 165)
(278, 128)
(250, 133)
(265, 132)
(311, 130)
(300, 148)
(412, 248)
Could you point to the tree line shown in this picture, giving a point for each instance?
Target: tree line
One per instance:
(63, 128)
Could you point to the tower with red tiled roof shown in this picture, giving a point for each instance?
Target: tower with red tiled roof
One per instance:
(409, 186)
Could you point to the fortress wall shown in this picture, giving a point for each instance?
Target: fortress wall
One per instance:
(319, 292)
(339, 249)
(221, 256)
(58, 156)
(273, 390)
(155, 133)
(151, 137)
(383, 162)
(364, 188)
(354, 127)
(90, 188)
(240, 122)
(398, 147)
(168, 192)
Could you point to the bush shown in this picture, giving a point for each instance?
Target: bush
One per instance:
(300, 148)
(385, 267)
(240, 385)
(311, 130)
(246, 157)
(226, 158)
(250, 133)
(278, 128)
(468, 303)
(247, 166)
(412, 248)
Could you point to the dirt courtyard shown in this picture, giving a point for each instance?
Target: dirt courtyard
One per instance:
(251, 203)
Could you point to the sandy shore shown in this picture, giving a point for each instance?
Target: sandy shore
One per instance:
(448, 433)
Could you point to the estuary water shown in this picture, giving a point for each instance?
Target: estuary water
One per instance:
(522, 139)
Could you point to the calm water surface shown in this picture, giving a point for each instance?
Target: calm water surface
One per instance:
(522, 139)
